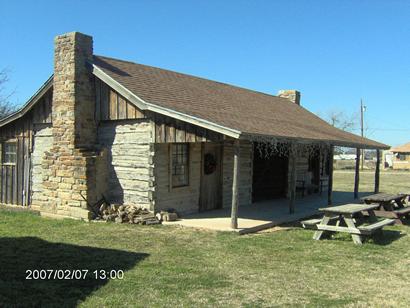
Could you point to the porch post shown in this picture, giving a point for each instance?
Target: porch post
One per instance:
(330, 182)
(292, 181)
(377, 173)
(234, 211)
(357, 174)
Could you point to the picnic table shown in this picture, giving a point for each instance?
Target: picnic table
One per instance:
(347, 218)
(390, 205)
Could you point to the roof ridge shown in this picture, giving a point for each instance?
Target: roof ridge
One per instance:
(193, 76)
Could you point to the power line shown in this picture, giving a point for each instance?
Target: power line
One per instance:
(389, 129)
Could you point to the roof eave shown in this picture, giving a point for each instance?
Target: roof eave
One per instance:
(252, 136)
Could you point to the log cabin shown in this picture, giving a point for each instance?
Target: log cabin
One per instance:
(142, 135)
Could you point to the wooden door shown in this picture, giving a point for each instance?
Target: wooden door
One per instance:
(211, 181)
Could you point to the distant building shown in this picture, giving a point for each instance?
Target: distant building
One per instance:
(345, 157)
(387, 159)
(401, 156)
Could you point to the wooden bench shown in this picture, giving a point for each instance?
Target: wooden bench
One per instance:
(362, 230)
(312, 223)
(372, 228)
(397, 214)
(350, 215)
(391, 206)
(405, 211)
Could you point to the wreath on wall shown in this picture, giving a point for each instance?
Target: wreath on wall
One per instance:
(209, 164)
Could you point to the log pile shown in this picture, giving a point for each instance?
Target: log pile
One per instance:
(126, 214)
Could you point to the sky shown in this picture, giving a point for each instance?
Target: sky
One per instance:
(334, 52)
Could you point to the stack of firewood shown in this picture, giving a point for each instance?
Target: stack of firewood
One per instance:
(127, 214)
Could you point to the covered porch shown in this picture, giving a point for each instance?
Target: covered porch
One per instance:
(264, 214)
(294, 150)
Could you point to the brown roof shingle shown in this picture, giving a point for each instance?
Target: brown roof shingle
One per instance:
(251, 112)
(404, 148)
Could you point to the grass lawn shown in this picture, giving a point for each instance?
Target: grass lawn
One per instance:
(171, 266)
(390, 181)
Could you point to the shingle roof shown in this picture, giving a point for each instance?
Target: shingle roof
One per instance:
(250, 112)
(405, 148)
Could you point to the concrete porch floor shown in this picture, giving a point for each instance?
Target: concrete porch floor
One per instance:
(263, 215)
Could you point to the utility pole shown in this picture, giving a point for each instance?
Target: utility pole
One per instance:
(362, 110)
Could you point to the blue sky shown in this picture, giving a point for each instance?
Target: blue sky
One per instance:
(334, 52)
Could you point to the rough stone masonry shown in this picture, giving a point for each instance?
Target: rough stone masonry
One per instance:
(69, 166)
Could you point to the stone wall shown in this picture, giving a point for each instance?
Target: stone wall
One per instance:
(245, 173)
(69, 166)
(183, 199)
(127, 165)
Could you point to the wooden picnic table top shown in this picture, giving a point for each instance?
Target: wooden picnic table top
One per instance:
(350, 208)
(383, 197)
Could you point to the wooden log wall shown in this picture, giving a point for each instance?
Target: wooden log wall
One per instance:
(112, 106)
(15, 178)
(168, 130)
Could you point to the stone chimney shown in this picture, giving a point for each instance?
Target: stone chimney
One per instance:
(73, 94)
(69, 166)
(292, 95)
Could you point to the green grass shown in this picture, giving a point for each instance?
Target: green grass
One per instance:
(390, 181)
(171, 266)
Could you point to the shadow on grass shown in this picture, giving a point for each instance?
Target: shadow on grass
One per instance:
(386, 237)
(17, 255)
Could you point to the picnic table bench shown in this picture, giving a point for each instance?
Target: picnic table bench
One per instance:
(347, 218)
(390, 206)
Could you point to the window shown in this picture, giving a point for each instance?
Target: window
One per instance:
(179, 164)
(9, 153)
(402, 156)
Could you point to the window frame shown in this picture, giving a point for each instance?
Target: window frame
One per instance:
(186, 166)
(4, 153)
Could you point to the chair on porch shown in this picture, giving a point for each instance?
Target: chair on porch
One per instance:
(304, 184)
(300, 184)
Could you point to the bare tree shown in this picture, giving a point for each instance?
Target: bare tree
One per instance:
(341, 120)
(5, 105)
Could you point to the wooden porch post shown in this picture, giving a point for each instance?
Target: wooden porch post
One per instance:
(377, 173)
(357, 174)
(234, 211)
(292, 181)
(330, 182)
